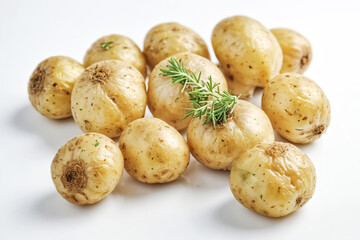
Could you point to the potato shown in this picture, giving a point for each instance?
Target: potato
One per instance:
(167, 39)
(165, 99)
(273, 179)
(238, 88)
(108, 96)
(296, 50)
(247, 126)
(154, 152)
(51, 84)
(116, 47)
(247, 51)
(87, 168)
(297, 107)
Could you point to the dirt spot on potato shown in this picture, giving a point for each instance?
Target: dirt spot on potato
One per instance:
(37, 81)
(74, 177)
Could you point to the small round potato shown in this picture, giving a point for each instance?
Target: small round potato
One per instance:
(247, 51)
(108, 96)
(116, 47)
(238, 88)
(167, 39)
(87, 168)
(296, 50)
(51, 84)
(154, 152)
(273, 179)
(165, 99)
(297, 107)
(217, 149)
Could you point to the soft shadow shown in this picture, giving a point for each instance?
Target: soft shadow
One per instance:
(233, 214)
(53, 206)
(198, 176)
(256, 99)
(53, 132)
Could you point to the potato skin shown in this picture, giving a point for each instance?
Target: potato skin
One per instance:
(273, 179)
(297, 107)
(238, 88)
(51, 84)
(297, 52)
(107, 97)
(218, 148)
(154, 152)
(122, 48)
(167, 39)
(247, 51)
(165, 99)
(87, 168)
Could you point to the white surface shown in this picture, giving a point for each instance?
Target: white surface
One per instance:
(199, 205)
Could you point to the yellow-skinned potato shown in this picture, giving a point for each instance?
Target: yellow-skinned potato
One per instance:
(167, 39)
(238, 88)
(154, 152)
(247, 51)
(247, 126)
(116, 47)
(107, 97)
(297, 107)
(297, 52)
(165, 99)
(51, 84)
(87, 168)
(273, 179)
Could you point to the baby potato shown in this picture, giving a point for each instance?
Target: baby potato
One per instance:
(116, 47)
(238, 88)
(167, 39)
(108, 96)
(165, 99)
(87, 168)
(51, 84)
(247, 126)
(296, 50)
(297, 107)
(273, 179)
(154, 152)
(247, 51)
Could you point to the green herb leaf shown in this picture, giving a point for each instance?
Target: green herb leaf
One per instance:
(206, 97)
(97, 143)
(299, 129)
(106, 45)
(260, 196)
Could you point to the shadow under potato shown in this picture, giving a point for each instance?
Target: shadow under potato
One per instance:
(233, 214)
(54, 132)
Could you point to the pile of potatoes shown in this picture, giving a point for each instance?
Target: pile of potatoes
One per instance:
(107, 98)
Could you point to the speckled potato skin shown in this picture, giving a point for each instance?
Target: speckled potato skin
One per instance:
(238, 88)
(154, 152)
(107, 97)
(247, 51)
(165, 99)
(297, 52)
(51, 84)
(122, 48)
(218, 148)
(273, 179)
(87, 168)
(297, 107)
(167, 39)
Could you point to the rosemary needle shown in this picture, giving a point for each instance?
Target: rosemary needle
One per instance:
(206, 97)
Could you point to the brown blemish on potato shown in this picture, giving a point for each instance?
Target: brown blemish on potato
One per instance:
(276, 150)
(319, 129)
(99, 74)
(37, 81)
(298, 201)
(74, 177)
(304, 60)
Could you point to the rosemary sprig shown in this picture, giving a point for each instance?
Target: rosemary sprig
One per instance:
(205, 96)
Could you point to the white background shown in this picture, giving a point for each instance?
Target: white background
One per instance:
(199, 205)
